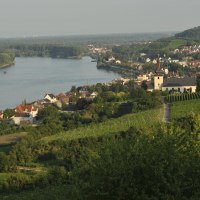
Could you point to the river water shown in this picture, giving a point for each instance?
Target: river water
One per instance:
(30, 78)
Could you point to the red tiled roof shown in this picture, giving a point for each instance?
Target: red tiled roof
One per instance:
(24, 108)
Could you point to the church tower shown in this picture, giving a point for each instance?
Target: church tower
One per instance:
(158, 81)
(158, 78)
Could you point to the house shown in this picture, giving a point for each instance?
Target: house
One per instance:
(63, 98)
(28, 109)
(1, 115)
(24, 114)
(194, 64)
(93, 95)
(84, 94)
(142, 77)
(51, 98)
(148, 60)
(185, 84)
(22, 118)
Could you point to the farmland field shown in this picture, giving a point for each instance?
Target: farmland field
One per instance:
(183, 108)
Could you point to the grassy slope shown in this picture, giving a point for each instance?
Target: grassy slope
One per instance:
(143, 119)
(183, 108)
(175, 43)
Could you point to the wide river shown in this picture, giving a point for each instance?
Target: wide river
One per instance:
(30, 78)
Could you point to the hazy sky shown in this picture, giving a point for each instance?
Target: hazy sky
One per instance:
(69, 17)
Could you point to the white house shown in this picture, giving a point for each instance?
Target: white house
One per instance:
(186, 84)
(51, 98)
(20, 118)
(93, 95)
(118, 62)
(148, 60)
(24, 114)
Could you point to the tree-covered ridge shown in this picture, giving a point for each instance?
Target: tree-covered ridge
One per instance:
(6, 58)
(54, 51)
(193, 33)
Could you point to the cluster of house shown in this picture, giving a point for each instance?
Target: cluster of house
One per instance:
(169, 60)
(166, 83)
(175, 84)
(188, 49)
(159, 82)
(26, 114)
(113, 60)
(98, 50)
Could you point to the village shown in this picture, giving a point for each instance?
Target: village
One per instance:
(160, 80)
(160, 73)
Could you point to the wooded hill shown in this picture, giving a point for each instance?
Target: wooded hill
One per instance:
(193, 33)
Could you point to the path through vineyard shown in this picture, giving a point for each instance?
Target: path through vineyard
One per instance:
(166, 117)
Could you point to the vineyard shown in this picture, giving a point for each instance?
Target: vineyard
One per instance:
(182, 97)
(181, 109)
(143, 120)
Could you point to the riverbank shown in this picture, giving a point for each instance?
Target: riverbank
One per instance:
(6, 65)
(122, 70)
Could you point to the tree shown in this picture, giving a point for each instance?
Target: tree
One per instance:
(198, 83)
(8, 113)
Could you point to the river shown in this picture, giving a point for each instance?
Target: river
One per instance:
(30, 78)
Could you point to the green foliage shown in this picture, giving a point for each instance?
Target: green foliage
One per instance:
(143, 119)
(193, 33)
(6, 58)
(8, 113)
(181, 109)
(198, 83)
(164, 165)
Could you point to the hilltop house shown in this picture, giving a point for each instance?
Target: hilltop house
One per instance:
(185, 84)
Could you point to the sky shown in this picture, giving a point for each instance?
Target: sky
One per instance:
(22, 18)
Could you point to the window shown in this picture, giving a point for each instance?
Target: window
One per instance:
(179, 89)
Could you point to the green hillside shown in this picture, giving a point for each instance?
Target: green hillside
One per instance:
(144, 120)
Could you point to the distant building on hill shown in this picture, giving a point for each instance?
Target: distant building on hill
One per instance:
(185, 84)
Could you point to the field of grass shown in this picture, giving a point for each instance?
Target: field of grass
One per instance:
(144, 120)
(183, 108)
(49, 193)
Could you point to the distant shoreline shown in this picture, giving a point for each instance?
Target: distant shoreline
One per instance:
(6, 65)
